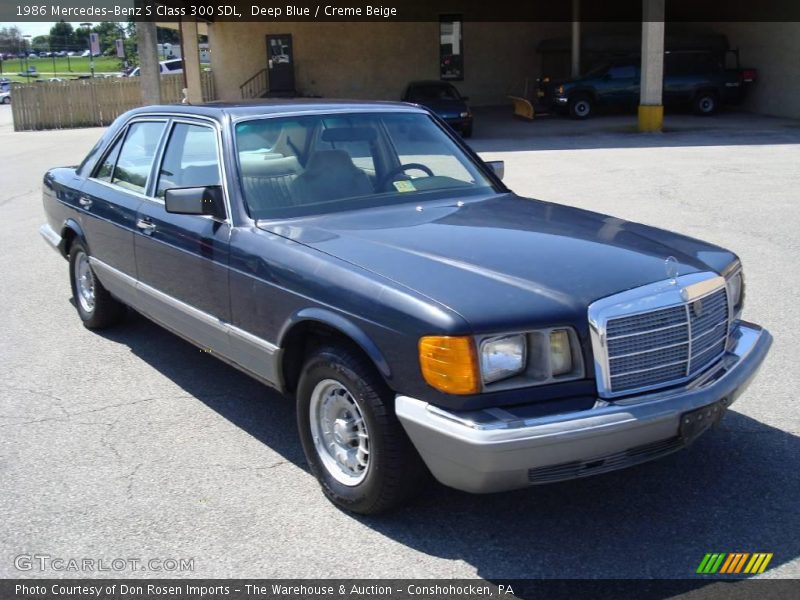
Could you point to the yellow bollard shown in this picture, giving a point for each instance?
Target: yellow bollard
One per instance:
(651, 118)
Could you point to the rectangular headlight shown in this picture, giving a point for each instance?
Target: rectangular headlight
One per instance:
(502, 357)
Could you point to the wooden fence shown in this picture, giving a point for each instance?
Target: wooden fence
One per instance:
(89, 102)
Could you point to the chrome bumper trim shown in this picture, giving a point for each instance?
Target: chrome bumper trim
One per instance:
(51, 237)
(495, 449)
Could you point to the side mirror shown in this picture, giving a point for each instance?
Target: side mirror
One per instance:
(498, 167)
(195, 201)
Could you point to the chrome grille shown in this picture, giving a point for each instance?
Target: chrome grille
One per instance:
(663, 346)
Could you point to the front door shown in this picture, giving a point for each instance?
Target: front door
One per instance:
(280, 63)
(182, 260)
(111, 196)
(621, 86)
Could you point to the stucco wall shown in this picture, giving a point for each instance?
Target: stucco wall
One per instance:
(773, 49)
(376, 60)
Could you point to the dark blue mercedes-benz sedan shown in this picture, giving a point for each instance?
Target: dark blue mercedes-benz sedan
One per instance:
(360, 258)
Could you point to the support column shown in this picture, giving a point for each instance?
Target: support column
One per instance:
(651, 108)
(576, 38)
(191, 61)
(149, 69)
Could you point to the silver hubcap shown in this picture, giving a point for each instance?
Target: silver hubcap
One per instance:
(339, 432)
(706, 104)
(84, 282)
(581, 107)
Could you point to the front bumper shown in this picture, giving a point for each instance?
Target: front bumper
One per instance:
(499, 449)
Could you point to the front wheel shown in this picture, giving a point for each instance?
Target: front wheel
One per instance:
(97, 308)
(352, 439)
(7, 100)
(580, 107)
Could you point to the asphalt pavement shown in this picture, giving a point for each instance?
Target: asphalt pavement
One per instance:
(131, 443)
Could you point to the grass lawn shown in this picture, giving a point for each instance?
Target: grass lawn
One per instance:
(78, 65)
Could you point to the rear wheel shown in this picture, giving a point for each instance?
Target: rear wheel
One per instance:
(7, 100)
(580, 107)
(352, 439)
(97, 308)
(706, 103)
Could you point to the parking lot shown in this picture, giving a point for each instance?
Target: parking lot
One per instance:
(132, 443)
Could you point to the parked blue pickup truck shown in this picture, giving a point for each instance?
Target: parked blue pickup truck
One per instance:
(697, 81)
(361, 259)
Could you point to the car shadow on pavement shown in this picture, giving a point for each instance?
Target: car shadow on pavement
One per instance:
(734, 490)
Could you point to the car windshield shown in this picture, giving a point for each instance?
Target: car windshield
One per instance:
(432, 92)
(306, 165)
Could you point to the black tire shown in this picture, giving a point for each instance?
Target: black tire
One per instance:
(7, 100)
(394, 471)
(705, 104)
(467, 132)
(580, 106)
(105, 310)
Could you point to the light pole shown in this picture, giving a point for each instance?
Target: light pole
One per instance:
(27, 36)
(89, 40)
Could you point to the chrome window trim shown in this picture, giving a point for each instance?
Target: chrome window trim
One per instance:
(659, 295)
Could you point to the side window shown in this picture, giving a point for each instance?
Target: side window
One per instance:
(136, 156)
(190, 159)
(106, 167)
(626, 72)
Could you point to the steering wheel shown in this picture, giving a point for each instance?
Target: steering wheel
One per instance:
(402, 169)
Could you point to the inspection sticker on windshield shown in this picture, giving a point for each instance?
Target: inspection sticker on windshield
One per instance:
(404, 186)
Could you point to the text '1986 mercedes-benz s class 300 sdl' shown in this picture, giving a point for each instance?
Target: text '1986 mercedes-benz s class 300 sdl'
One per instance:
(362, 259)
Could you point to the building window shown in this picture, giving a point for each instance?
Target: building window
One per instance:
(451, 48)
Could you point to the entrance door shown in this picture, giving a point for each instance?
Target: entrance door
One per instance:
(280, 61)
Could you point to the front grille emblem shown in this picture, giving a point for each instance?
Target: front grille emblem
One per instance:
(671, 266)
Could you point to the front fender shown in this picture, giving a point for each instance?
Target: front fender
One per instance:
(339, 323)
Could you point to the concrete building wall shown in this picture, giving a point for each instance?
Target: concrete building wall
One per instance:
(376, 60)
(773, 49)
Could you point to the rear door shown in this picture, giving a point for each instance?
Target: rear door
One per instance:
(182, 260)
(112, 194)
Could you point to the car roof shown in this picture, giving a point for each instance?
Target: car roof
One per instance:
(271, 108)
(427, 82)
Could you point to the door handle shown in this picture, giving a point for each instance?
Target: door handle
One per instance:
(85, 202)
(146, 226)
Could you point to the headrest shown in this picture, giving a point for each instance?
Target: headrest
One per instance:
(324, 160)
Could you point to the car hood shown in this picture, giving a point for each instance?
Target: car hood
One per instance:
(504, 261)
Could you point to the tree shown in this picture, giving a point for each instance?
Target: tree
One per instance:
(41, 43)
(11, 40)
(62, 36)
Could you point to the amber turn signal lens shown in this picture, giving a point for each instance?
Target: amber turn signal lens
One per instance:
(449, 364)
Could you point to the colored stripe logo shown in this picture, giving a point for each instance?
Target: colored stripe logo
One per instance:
(733, 563)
